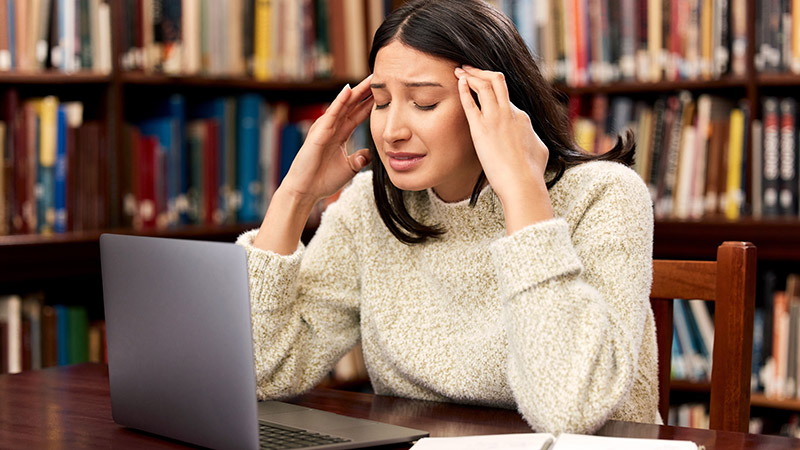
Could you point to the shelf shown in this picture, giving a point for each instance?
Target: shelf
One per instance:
(762, 401)
(52, 77)
(779, 79)
(243, 83)
(27, 258)
(756, 400)
(689, 386)
(633, 87)
(776, 239)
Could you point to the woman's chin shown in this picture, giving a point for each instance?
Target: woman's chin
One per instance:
(405, 183)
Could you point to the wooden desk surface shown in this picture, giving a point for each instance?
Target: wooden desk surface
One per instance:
(69, 407)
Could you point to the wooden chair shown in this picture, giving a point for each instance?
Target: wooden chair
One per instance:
(730, 283)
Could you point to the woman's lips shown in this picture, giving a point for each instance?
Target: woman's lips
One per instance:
(404, 161)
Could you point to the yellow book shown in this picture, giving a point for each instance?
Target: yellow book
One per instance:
(796, 36)
(48, 109)
(585, 134)
(733, 195)
(706, 38)
(655, 48)
(47, 131)
(262, 37)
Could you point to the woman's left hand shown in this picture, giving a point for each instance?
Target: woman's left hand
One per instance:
(512, 155)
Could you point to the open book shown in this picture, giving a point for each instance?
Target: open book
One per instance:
(547, 441)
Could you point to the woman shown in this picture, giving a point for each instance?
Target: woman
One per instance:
(484, 259)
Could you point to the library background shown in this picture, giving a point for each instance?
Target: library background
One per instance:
(178, 118)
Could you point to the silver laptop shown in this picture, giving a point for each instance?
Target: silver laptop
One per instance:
(180, 352)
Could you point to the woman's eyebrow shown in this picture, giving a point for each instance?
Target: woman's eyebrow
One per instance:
(411, 84)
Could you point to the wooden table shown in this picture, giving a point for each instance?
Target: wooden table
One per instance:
(69, 408)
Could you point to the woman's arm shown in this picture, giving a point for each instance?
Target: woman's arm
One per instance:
(305, 306)
(321, 167)
(576, 301)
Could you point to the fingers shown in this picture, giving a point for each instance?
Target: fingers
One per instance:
(349, 98)
(471, 110)
(358, 160)
(490, 86)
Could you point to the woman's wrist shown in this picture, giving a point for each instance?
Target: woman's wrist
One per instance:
(527, 203)
(284, 222)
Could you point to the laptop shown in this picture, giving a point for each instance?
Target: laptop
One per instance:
(180, 352)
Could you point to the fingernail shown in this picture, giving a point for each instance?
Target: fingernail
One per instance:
(460, 71)
(467, 66)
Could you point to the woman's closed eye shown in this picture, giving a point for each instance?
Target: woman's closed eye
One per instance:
(426, 107)
(416, 105)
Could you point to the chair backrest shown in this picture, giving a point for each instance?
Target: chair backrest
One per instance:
(730, 283)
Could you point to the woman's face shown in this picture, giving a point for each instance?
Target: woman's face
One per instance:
(418, 125)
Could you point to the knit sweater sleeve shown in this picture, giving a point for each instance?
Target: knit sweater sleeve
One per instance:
(576, 297)
(304, 307)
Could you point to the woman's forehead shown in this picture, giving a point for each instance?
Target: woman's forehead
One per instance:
(399, 62)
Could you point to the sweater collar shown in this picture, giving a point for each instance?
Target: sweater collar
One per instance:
(461, 219)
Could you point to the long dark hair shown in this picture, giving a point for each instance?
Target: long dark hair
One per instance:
(473, 32)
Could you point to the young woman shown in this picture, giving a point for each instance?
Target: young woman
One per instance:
(484, 259)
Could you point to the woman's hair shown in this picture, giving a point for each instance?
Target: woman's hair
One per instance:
(473, 32)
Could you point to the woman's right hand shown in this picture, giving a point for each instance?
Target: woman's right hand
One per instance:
(322, 166)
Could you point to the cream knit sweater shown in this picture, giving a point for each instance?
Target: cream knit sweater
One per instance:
(553, 320)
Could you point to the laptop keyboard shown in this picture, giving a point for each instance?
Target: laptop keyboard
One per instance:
(273, 437)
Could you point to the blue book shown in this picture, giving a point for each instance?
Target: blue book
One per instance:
(291, 140)
(178, 164)
(12, 45)
(62, 334)
(677, 369)
(249, 183)
(60, 177)
(758, 349)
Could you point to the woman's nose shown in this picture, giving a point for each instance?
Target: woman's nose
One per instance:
(396, 128)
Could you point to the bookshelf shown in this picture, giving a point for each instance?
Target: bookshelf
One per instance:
(32, 261)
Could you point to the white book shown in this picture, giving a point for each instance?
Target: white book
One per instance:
(547, 441)
(11, 314)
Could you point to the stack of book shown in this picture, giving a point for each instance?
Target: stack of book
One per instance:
(267, 39)
(66, 35)
(54, 175)
(692, 152)
(34, 335)
(599, 41)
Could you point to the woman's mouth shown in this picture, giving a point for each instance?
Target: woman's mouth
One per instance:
(404, 161)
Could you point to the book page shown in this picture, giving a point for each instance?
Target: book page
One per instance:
(579, 441)
(520, 441)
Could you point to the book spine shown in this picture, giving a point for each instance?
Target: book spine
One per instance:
(788, 158)
(771, 157)
(248, 120)
(60, 203)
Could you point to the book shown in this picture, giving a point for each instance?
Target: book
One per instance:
(11, 318)
(770, 151)
(547, 441)
(787, 196)
(734, 197)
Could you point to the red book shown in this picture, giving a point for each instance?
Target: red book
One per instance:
(147, 180)
(338, 38)
(49, 339)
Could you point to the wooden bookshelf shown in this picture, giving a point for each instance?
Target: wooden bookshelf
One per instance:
(632, 87)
